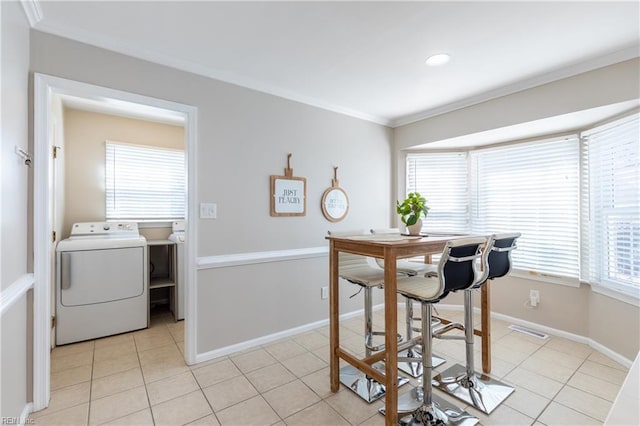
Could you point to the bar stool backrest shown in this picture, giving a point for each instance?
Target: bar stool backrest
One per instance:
(385, 230)
(350, 260)
(499, 258)
(459, 266)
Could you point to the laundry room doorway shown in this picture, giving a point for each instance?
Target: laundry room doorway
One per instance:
(63, 173)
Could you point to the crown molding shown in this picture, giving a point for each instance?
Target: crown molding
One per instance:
(107, 43)
(33, 11)
(622, 55)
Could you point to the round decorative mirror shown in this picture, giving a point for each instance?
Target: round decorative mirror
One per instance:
(335, 202)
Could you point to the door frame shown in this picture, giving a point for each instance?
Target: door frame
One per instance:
(45, 87)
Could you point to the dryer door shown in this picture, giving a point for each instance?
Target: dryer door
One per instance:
(98, 276)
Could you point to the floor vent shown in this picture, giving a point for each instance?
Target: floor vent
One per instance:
(528, 331)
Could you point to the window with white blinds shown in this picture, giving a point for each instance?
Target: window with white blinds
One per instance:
(144, 183)
(611, 212)
(532, 188)
(442, 179)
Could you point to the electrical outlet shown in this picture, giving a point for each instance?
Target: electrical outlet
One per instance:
(534, 297)
(324, 292)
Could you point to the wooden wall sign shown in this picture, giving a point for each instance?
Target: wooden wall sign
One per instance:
(335, 203)
(288, 193)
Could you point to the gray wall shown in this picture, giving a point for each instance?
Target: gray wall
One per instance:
(15, 62)
(14, 374)
(243, 138)
(576, 310)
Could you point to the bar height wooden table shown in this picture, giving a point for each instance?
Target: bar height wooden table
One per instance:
(390, 249)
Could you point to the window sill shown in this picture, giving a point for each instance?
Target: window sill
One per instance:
(543, 277)
(147, 223)
(142, 225)
(620, 294)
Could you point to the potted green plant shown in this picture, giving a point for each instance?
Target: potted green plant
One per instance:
(411, 211)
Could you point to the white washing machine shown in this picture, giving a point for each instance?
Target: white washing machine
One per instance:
(178, 237)
(101, 281)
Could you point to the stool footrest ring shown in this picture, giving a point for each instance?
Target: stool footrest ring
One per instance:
(447, 328)
(368, 341)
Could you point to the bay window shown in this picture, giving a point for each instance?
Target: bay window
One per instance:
(447, 200)
(611, 213)
(575, 199)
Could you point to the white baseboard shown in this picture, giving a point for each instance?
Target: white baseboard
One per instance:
(554, 332)
(206, 356)
(611, 354)
(216, 353)
(28, 409)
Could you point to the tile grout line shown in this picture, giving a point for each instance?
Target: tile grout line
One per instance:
(568, 385)
(205, 398)
(259, 393)
(565, 384)
(514, 385)
(144, 382)
(307, 386)
(191, 370)
(93, 360)
(511, 368)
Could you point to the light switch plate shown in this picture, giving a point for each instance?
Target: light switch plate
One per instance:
(208, 210)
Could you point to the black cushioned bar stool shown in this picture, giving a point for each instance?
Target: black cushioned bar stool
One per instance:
(463, 382)
(410, 360)
(459, 268)
(357, 270)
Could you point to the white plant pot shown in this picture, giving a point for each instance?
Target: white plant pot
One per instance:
(415, 228)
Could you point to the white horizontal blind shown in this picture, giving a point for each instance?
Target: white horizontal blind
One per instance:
(532, 188)
(442, 179)
(144, 183)
(611, 155)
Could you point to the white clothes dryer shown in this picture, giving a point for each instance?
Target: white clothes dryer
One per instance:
(101, 281)
(178, 237)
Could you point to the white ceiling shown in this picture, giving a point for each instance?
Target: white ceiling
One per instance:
(365, 59)
(566, 123)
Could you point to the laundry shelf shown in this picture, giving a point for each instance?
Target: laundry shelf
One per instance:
(161, 282)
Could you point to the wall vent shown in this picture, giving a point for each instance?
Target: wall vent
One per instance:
(528, 331)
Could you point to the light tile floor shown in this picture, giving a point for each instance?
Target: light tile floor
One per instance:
(140, 378)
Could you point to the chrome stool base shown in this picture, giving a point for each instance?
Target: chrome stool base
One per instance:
(414, 369)
(365, 387)
(482, 392)
(441, 412)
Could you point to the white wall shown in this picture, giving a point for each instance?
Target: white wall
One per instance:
(577, 310)
(15, 63)
(243, 138)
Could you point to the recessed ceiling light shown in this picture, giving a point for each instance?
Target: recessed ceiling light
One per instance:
(438, 59)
